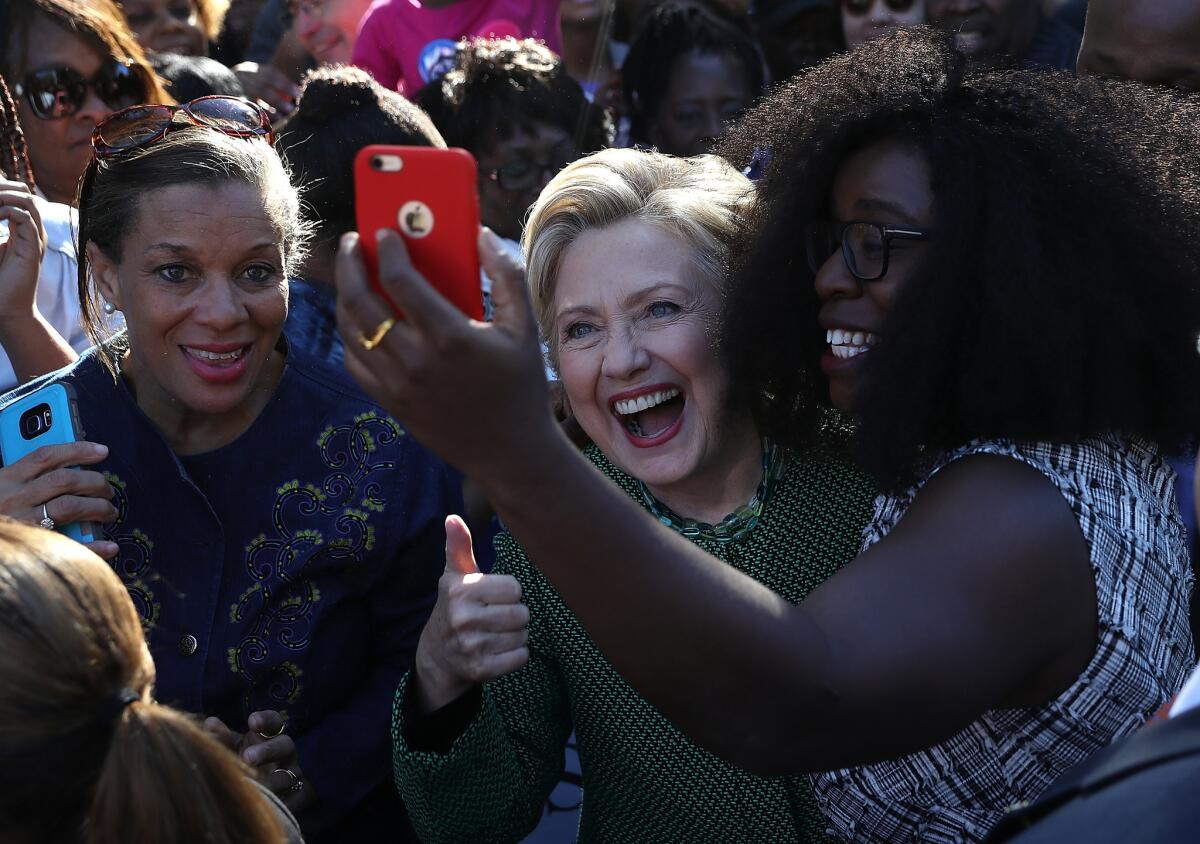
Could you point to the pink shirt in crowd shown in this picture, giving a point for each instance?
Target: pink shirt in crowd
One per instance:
(404, 45)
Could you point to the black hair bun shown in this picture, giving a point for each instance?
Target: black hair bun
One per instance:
(333, 92)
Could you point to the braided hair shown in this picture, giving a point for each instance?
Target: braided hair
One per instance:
(14, 154)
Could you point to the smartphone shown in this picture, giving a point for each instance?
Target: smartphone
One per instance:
(430, 196)
(49, 416)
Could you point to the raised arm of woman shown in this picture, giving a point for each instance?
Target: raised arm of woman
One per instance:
(33, 346)
(983, 598)
(481, 768)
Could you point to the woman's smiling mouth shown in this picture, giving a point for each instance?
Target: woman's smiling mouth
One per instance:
(218, 363)
(847, 343)
(650, 416)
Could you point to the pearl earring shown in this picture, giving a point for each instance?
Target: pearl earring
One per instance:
(109, 309)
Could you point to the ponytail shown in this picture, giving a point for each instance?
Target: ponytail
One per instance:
(165, 780)
(85, 754)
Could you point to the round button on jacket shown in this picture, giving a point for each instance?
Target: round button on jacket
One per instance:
(188, 645)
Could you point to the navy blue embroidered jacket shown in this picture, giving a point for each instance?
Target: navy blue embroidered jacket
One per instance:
(292, 569)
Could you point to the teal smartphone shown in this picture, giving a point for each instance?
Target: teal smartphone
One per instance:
(49, 416)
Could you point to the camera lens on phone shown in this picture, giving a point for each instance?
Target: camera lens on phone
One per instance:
(36, 421)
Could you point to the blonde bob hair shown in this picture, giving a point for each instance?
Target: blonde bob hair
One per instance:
(702, 200)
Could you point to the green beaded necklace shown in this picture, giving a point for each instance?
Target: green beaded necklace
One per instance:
(738, 524)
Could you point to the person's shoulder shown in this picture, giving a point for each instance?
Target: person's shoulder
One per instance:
(325, 383)
(511, 559)
(1042, 455)
(87, 372)
(288, 824)
(1075, 466)
(509, 549)
(384, 12)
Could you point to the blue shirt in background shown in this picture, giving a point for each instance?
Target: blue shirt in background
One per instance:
(312, 321)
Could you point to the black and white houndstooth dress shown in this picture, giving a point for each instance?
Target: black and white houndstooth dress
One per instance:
(1122, 493)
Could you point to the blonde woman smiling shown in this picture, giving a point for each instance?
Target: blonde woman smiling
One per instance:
(626, 255)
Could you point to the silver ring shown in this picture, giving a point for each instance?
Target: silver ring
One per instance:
(275, 734)
(297, 783)
(46, 523)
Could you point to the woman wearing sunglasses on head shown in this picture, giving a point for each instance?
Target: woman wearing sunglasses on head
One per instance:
(981, 290)
(70, 63)
(866, 20)
(280, 535)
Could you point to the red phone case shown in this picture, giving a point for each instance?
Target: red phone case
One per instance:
(430, 196)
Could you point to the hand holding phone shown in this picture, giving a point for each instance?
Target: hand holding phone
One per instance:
(430, 197)
(41, 444)
(435, 374)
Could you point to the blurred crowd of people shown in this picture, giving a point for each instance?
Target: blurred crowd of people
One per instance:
(822, 468)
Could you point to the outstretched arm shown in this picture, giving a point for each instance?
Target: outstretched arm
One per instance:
(982, 597)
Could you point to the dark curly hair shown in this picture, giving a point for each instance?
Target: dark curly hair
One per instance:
(501, 84)
(341, 110)
(1057, 299)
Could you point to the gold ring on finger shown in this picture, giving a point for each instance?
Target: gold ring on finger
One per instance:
(375, 339)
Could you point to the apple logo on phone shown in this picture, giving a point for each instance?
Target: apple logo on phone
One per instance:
(415, 218)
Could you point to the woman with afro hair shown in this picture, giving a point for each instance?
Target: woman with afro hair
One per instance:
(987, 273)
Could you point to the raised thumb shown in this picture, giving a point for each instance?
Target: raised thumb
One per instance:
(459, 555)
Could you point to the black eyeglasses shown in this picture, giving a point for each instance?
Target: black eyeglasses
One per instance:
(526, 175)
(865, 246)
(61, 91)
(861, 7)
(142, 125)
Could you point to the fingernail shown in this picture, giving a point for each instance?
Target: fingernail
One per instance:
(99, 449)
(250, 756)
(380, 234)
